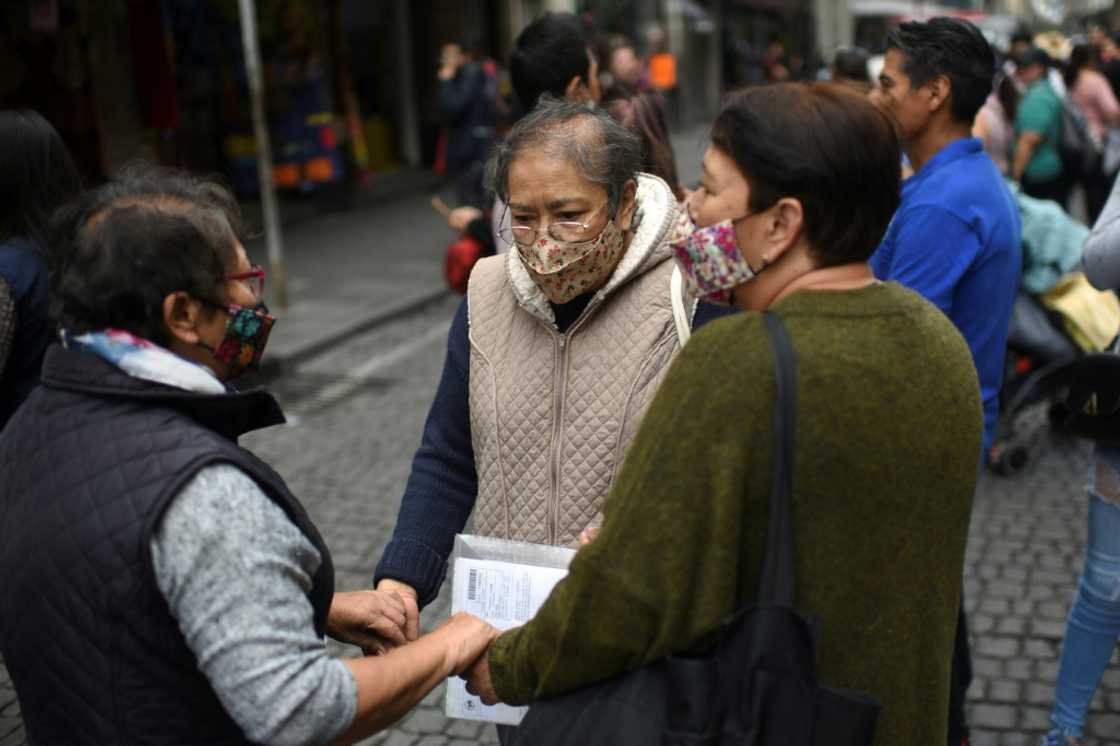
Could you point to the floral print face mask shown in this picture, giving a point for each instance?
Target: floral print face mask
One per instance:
(712, 263)
(246, 335)
(565, 270)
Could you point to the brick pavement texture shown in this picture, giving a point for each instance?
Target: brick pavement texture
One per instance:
(349, 460)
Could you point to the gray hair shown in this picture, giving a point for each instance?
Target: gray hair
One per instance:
(602, 150)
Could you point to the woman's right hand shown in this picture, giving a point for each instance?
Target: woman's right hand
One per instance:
(466, 638)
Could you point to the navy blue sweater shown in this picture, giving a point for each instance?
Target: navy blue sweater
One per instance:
(443, 485)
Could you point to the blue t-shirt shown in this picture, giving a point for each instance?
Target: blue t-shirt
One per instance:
(955, 241)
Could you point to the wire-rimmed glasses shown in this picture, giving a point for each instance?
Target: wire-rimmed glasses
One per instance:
(568, 231)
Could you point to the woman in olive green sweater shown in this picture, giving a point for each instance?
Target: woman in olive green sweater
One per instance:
(799, 185)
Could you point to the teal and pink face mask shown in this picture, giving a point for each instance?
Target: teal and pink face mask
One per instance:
(712, 263)
(246, 336)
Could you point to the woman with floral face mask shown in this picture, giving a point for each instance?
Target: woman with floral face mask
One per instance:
(555, 353)
(799, 185)
(165, 574)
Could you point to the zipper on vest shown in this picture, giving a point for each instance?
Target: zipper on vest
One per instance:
(560, 388)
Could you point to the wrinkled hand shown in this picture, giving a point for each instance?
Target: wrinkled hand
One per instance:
(411, 602)
(375, 621)
(467, 638)
(478, 680)
(459, 218)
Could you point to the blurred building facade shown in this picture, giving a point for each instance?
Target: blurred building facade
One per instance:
(350, 84)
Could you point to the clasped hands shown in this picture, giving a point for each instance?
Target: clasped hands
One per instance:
(380, 620)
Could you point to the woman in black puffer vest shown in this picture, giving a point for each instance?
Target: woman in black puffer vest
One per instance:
(170, 589)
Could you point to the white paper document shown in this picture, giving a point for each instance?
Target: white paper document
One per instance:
(506, 594)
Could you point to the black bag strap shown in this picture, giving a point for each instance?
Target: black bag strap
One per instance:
(778, 580)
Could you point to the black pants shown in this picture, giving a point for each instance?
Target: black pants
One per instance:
(1098, 186)
(469, 189)
(1056, 189)
(960, 676)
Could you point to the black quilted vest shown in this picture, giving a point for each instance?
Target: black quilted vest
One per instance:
(87, 467)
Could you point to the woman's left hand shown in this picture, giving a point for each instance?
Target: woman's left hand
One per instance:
(478, 680)
(375, 621)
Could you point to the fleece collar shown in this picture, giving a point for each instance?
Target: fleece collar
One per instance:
(648, 248)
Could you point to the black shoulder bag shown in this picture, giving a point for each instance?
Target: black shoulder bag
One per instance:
(757, 686)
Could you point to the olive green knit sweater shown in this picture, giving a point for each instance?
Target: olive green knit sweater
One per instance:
(887, 445)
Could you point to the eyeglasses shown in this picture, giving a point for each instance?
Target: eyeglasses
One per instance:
(254, 279)
(568, 231)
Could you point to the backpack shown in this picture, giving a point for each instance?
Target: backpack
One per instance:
(1080, 153)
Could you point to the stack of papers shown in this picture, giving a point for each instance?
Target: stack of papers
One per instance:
(504, 583)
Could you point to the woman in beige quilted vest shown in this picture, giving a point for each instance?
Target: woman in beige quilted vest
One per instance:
(555, 353)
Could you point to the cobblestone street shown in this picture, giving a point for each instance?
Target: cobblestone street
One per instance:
(357, 414)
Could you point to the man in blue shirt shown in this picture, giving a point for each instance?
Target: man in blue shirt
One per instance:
(955, 236)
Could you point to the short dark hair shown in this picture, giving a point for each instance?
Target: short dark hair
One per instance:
(469, 42)
(547, 54)
(828, 147)
(605, 152)
(1022, 35)
(37, 175)
(145, 234)
(850, 63)
(953, 48)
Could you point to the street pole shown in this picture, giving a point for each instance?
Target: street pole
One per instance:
(264, 151)
(407, 110)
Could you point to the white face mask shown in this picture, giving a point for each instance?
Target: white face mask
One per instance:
(564, 270)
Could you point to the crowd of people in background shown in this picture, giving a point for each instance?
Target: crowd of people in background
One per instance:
(609, 385)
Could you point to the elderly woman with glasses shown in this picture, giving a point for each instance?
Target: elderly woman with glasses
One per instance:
(555, 353)
(170, 588)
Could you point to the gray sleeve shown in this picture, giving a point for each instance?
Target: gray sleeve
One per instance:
(1101, 255)
(235, 572)
(7, 324)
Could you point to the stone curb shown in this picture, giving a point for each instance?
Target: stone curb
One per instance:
(273, 365)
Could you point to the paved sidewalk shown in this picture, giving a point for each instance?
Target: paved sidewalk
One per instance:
(1024, 557)
(348, 270)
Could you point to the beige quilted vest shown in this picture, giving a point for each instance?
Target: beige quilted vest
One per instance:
(553, 414)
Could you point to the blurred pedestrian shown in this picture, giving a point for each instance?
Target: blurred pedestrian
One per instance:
(1093, 626)
(995, 122)
(1110, 64)
(1021, 42)
(1091, 93)
(643, 112)
(1037, 164)
(850, 66)
(37, 175)
(775, 66)
(955, 237)
(625, 66)
(686, 518)
(552, 55)
(467, 94)
(170, 588)
(539, 397)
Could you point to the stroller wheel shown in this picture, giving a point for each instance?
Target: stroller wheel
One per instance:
(1009, 459)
